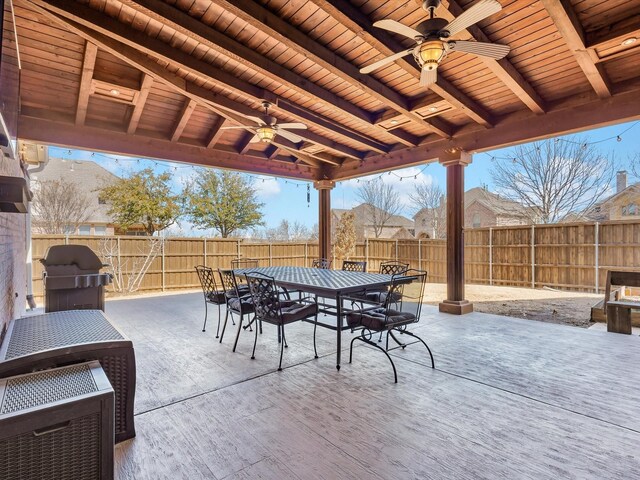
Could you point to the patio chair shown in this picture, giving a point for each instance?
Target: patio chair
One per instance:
(244, 263)
(211, 293)
(375, 318)
(322, 263)
(351, 266)
(238, 299)
(271, 308)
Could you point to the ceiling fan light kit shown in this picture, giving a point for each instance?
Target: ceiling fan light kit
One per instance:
(265, 134)
(431, 38)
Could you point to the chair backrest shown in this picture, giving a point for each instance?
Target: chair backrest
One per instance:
(322, 263)
(393, 268)
(244, 263)
(264, 292)
(351, 266)
(229, 284)
(621, 279)
(410, 287)
(207, 279)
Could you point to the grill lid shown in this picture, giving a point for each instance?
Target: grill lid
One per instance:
(79, 255)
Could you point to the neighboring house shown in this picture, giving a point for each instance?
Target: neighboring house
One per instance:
(481, 209)
(396, 227)
(622, 205)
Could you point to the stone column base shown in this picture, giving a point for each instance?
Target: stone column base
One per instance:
(456, 307)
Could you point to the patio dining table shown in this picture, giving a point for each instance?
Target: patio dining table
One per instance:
(333, 284)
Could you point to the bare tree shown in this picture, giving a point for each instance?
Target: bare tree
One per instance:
(634, 161)
(553, 178)
(383, 202)
(59, 206)
(427, 199)
(344, 242)
(129, 270)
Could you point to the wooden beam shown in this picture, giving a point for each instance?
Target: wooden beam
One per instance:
(356, 21)
(568, 24)
(615, 33)
(219, 42)
(140, 102)
(271, 151)
(88, 65)
(115, 31)
(222, 106)
(245, 142)
(183, 118)
(564, 117)
(216, 132)
(102, 140)
(264, 20)
(503, 69)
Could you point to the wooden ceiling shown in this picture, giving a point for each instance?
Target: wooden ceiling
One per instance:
(161, 78)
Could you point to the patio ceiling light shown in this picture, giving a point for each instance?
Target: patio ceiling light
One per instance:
(266, 134)
(629, 41)
(431, 54)
(115, 92)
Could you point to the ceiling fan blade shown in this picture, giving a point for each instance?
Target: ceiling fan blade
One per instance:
(235, 127)
(254, 139)
(289, 135)
(428, 77)
(293, 126)
(397, 27)
(258, 120)
(479, 11)
(385, 61)
(491, 50)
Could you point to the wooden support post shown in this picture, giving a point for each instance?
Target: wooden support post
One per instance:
(597, 253)
(324, 188)
(455, 161)
(533, 256)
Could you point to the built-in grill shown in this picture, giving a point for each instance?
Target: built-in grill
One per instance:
(72, 278)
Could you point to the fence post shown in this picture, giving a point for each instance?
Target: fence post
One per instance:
(163, 265)
(238, 248)
(490, 256)
(205, 250)
(396, 249)
(366, 250)
(419, 254)
(306, 254)
(597, 262)
(270, 255)
(533, 256)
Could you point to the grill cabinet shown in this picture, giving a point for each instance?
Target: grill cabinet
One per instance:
(72, 279)
(57, 424)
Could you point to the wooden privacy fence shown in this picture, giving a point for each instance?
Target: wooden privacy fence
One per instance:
(564, 256)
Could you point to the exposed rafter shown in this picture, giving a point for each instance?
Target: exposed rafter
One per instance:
(140, 102)
(216, 132)
(183, 118)
(503, 69)
(245, 142)
(565, 19)
(355, 20)
(261, 18)
(88, 65)
(616, 32)
(184, 23)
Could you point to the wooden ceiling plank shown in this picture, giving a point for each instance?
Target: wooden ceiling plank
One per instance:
(88, 65)
(503, 69)
(109, 39)
(140, 102)
(616, 32)
(351, 17)
(216, 132)
(102, 140)
(184, 23)
(183, 118)
(266, 21)
(568, 24)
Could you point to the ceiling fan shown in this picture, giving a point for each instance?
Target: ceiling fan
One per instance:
(267, 128)
(431, 37)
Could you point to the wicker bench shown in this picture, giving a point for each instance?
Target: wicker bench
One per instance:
(62, 338)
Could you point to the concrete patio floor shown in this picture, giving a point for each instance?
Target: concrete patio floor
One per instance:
(509, 398)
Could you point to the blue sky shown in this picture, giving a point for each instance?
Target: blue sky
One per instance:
(287, 199)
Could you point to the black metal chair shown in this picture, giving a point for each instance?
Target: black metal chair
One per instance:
(211, 293)
(322, 263)
(369, 320)
(239, 301)
(271, 308)
(352, 266)
(244, 263)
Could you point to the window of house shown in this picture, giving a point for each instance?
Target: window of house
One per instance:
(631, 209)
(99, 230)
(476, 220)
(84, 230)
(69, 230)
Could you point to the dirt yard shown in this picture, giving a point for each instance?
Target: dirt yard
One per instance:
(569, 308)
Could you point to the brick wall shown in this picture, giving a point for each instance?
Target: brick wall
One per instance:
(12, 256)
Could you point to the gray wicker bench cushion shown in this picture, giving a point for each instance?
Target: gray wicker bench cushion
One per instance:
(379, 319)
(59, 338)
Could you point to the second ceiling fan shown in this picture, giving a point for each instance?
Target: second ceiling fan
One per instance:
(431, 37)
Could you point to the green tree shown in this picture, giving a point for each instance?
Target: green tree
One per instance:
(222, 200)
(345, 238)
(143, 198)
